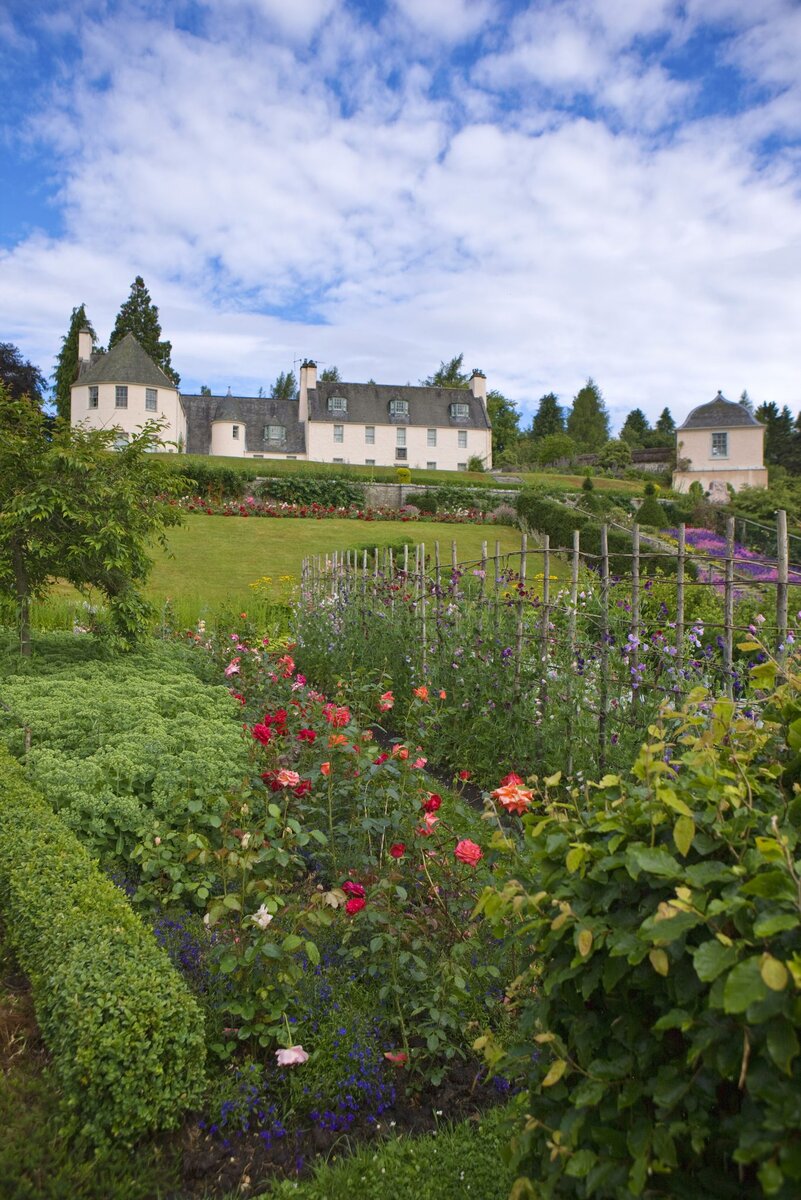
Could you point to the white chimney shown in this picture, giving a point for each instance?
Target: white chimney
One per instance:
(84, 345)
(308, 382)
(478, 386)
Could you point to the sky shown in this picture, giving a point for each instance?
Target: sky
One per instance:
(557, 190)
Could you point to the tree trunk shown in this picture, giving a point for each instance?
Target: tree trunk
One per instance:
(22, 589)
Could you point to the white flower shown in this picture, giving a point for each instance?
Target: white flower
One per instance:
(262, 918)
(291, 1056)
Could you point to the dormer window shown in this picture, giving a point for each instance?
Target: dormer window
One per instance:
(338, 404)
(274, 433)
(399, 408)
(459, 411)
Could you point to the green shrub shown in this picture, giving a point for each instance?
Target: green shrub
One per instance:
(124, 1033)
(650, 513)
(304, 489)
(426, 502)
(211, 479)
(662, 915)
(403, 475)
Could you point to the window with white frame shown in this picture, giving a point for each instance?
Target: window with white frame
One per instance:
(235, 432)
(369, 435)
(460, 411)
(339, 433)
(151, 399)
(338, 404)
(121, 395)
(461, 466)
(400, 452)
(369, 462)
(94, 397)
(462, 436)
(431, 466)
(399, 408)
(274, 433)
(339, 460)
(720, 445)
(400, 437)
(431, 437)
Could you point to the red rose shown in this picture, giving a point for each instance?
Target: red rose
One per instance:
(432, 803)
(353, 889)
(355, 905)
(398, 850)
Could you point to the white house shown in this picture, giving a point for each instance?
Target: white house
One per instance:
(369, 424)
(721, 444)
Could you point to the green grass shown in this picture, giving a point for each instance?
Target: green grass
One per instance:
(572, 483)
(456, 1163)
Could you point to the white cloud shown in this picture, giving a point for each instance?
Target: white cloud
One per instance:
(397, 225)
(451, 20)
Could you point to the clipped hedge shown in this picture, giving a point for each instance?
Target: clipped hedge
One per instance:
(125, 1035)
(304, 489)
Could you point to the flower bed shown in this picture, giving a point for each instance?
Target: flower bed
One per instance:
(252, 507)
(703, 543)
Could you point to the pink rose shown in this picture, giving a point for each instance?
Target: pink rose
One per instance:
(468, 852)
(287, 778)
(292, 1056)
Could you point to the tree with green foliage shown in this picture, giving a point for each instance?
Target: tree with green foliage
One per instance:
(140, 316)
(72, 509)
(66, 370)
(18, 376)
(588, 420)
(746, 401)
(636, 429)
(554, 448)
(285, 386)
(205, 390)
(614, 455)
(449, 374)
(548, 418)
(330, 375)
(778, 433)
(504, 417)
(665, 423)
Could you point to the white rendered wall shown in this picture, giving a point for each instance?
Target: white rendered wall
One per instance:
(355, 449)
(132, 418)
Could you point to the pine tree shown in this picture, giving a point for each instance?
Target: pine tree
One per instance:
(665, 423)
(636, 429)
(778, 433)
(331, 375)
(140, 316)
(588, 421)
(548, 418)
(450, 374)
(746, 401)
(285, 387)
(67, 361)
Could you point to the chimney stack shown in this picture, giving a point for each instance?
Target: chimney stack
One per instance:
(84, 346)
(478, 386)
(308, 383)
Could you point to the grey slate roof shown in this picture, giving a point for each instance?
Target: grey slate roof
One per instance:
(127, 362)
(368, 404)
(254, 412)
(720, 413)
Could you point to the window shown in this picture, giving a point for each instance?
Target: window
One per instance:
(339, 460)
(235, 432)
(462, 436)
(274, 433)
(292, 456)
(400, 437)
(461, 466)
(369, 462)
(431, 466)
(369, 435)
(399, 408)
(258, 456)
(720, 445)
(338, 404)
(400, 451)
(460, 412)
(339, 433)
(121, 396)
(93, 397)
(151, 399)
(431, 437)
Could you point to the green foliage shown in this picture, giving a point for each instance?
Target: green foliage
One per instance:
(426, 502)
(210, 479)
(71, 509)
(120, 751)
(555, 447)
(504, 418)
(285, 386)
(548, 419)
(403, 475)
(636, 429)
(140, 316)
(588, 420)
(341, 493)
(449, 374)
(587, 484)
(651, 513)
(661, 913)
(18, 376)
(66, 370)
(475, 463)
(125, 1035)
(614, 455)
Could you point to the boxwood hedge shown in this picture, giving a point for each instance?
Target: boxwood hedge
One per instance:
(125, 1035)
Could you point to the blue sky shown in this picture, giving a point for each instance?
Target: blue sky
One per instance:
(557, 190)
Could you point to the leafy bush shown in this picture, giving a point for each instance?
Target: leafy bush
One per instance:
(303, 489)
(426, 502)
(125, 1035)
(660, 1023)
(211, 479)
(650, 513)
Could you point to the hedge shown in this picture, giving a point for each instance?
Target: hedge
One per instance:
(125, 1035)
(303, 489)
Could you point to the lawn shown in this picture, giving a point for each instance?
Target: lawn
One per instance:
(279, 467)
(572, 483)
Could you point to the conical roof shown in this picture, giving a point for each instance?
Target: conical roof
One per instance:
(126, 362)
(720, 413)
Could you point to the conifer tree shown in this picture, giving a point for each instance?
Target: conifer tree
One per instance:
(140, 316)
(636, 429)
(67, 361)
(285, 387)
(588, 421)
(665, 423)
(548, 418)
